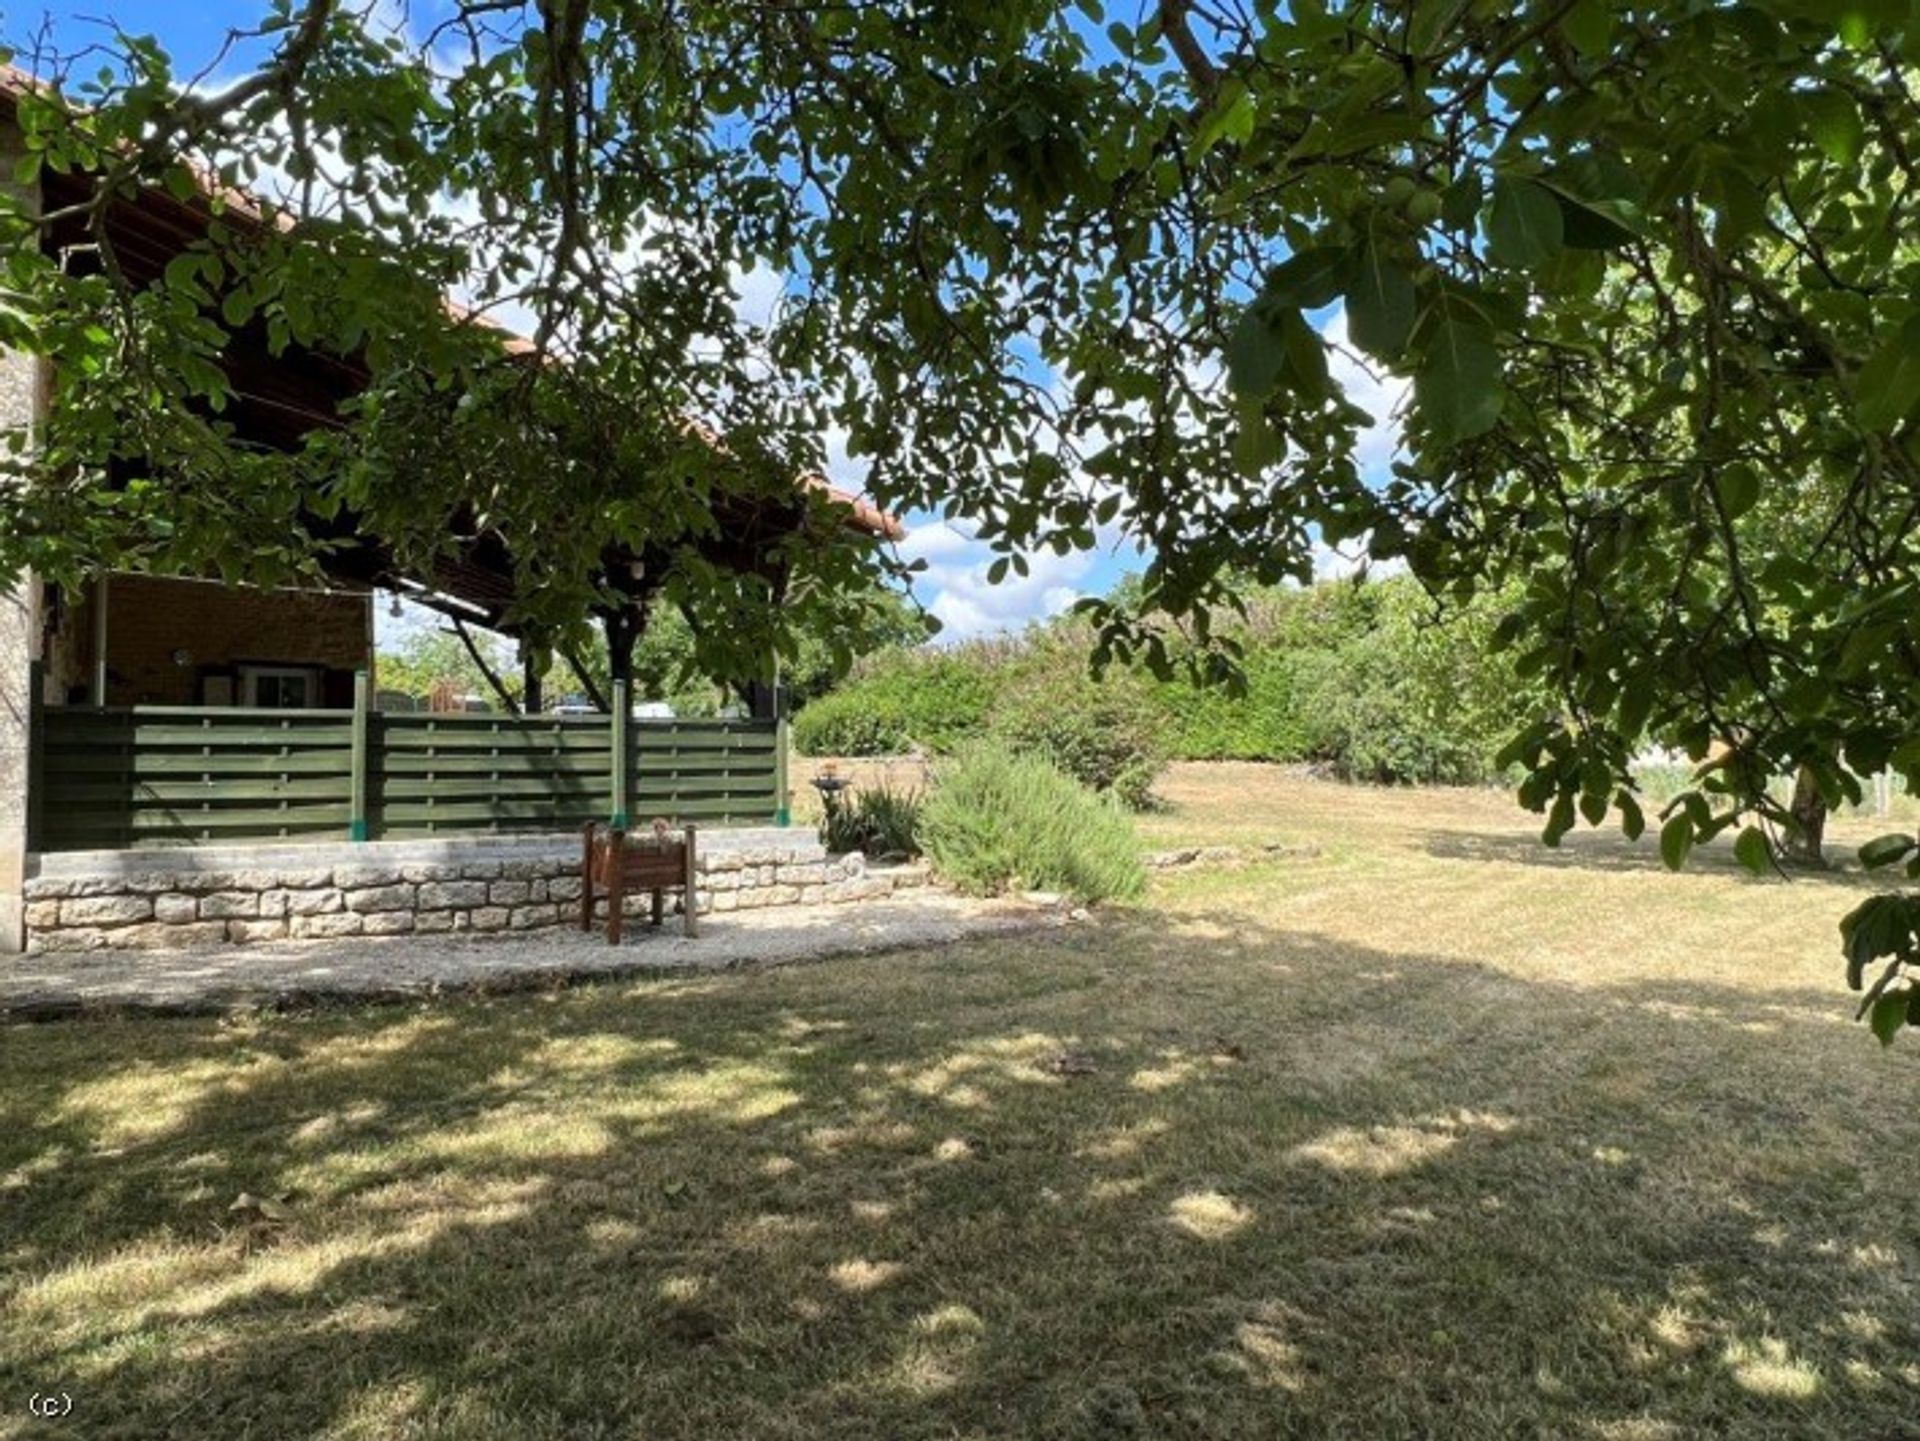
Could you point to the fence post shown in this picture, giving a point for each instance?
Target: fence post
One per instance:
(619, 817)
(357, 804)
(783, 800)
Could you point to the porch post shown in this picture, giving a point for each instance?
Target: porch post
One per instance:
(23, 407)
(532, 701)
(99, 688)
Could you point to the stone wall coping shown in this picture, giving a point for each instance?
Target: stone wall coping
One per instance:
(326, 855)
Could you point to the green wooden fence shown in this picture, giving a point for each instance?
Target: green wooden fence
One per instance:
(174, 775)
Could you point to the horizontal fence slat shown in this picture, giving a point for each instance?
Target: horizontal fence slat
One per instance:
(165, 764)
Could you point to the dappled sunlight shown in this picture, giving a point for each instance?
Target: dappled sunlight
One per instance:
(1172, 1069)
(877, 1132)
(1381, 1151)
(938, 1352)
(325, 1129)
(962, 1077)
(1632, 1428)
(519, 1133)
(1209, 1215)
(151, 1282)
(143, 1101)
(734, 1092)
(1266, 1358)
(1767, 1367)
(953, 1148)
(682, 1289)
(1124, 1142)
(583, 1055)
(1116, 1188)
(860, 1274)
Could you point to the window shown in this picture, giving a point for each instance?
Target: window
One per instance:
(278, 688)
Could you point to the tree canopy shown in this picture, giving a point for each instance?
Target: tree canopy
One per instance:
(1060, 269)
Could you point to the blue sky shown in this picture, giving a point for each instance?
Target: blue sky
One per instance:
(954, 585)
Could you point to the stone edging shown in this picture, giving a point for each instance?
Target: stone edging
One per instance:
(1228, 855)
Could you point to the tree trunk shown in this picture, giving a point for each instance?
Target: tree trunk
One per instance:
(1810, 820)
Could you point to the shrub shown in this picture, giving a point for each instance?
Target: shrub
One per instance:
(997, 819)
(849, 723)
(1106, 734)
(1205, 723)
(878, 821)
(899, 701)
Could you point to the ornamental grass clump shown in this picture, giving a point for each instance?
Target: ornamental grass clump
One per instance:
(997, 821)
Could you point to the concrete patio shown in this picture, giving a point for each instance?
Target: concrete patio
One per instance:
(359, 969)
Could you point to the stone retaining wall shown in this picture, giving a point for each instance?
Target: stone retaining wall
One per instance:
(167, 905)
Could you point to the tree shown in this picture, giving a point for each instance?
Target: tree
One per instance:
(1647, 269)
(425, 659)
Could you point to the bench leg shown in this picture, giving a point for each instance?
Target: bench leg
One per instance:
(586, 878)
(689, 895)
(616, 889)
(659, 906)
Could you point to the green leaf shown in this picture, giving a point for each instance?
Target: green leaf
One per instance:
(1310, 278)
(1886, 850)
(1676, 842)
(1380, 304)
(1306, 356)
(1752, 850)
(1633, 820)
(1888, 1015)
(1887, 389)
(1461, 202)
(1593, 805)
(1738, 486)
(1589, 26)
(1255, 354)
(1458, 382)
(1833, 120)
(1524, 225)
(1256, 445)
(237, 308)
(1559, 820)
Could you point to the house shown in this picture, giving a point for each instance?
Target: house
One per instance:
(142, 710)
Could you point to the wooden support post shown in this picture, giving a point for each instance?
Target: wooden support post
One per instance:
(357, 829)
(37, 755)
(99, 688)
(620, 788)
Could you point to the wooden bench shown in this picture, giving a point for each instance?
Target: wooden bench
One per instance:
(614, 864)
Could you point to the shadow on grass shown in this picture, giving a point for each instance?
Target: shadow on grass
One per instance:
(1596, 851)
(1199, 1177)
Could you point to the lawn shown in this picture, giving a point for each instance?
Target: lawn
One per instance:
(1434, 1133)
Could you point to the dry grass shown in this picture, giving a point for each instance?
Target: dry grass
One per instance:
(1435, 1135)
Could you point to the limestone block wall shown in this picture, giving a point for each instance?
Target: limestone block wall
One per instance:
(163, 900)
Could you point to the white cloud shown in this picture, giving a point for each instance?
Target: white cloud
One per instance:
(1379, 394)
(956, 588)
